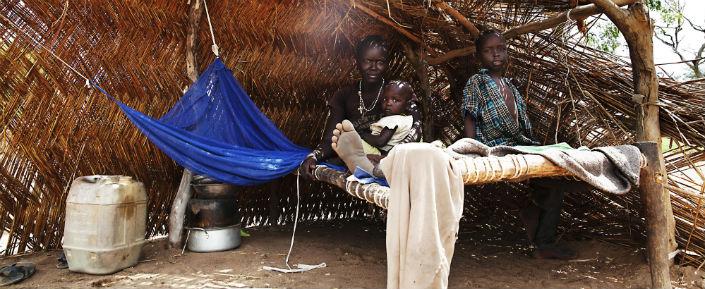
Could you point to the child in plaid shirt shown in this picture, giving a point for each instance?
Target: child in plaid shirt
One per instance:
(493, 109)
(494, 113)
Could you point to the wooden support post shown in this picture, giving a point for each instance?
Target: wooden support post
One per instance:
(183, 195)
(651, 188)
(421, 68)
(195, 13)
(178, 210)
(635, 25)
(274, 207)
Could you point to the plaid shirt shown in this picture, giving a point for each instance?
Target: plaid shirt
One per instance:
(494, 124)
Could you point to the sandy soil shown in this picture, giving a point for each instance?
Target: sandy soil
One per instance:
(355, 256)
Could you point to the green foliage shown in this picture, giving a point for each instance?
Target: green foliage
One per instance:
(672, 13)
(654, 4)
(605, 37)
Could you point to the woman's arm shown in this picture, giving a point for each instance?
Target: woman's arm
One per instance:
(323, 151)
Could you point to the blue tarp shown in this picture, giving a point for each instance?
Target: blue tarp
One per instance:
(216, 130)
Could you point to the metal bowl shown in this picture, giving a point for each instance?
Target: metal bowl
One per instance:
(213, 239)
(214, 191)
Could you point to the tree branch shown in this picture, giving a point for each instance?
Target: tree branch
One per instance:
(671, 42)
(687, 82)
(616, 14)
(384, 20)
(699, 55)
(450, 55)
(695, 27)
(474, 32)
(696, 63)
(679, 62)
(575, 14)
(396, 27)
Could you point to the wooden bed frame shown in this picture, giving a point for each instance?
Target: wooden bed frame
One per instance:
(483, 170)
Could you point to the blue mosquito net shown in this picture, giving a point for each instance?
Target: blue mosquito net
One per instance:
(216, 130)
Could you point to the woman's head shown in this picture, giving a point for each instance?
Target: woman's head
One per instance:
(397, 97)
(491, 49)
(371, 55)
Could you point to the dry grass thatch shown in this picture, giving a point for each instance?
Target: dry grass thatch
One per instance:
(290, 56)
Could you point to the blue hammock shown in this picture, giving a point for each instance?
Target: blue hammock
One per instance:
(216, 130)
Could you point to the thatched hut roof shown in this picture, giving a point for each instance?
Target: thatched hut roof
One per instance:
(290, 56)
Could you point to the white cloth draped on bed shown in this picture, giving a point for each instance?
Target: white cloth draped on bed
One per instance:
(423, 215)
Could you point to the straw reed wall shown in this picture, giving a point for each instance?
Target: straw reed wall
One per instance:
(290, 56)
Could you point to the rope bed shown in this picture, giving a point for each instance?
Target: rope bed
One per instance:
(475, 171)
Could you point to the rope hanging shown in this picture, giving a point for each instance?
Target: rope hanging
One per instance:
(564, 38)
(214, 47)
(88, 81)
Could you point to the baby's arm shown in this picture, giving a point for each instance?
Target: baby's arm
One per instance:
(379, 140)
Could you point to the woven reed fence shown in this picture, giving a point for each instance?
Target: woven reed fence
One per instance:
(290, 56)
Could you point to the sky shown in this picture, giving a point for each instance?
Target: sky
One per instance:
(695, 11)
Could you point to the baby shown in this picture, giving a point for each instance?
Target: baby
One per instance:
(391, 129)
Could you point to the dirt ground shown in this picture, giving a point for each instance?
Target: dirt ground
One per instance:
(355, 256)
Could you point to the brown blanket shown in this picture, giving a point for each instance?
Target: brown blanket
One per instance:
(609, 169)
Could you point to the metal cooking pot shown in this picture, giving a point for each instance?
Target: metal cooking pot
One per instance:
(213, 239)
(214, 191)
(210, 213)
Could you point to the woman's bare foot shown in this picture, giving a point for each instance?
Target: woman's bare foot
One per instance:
(348, 145)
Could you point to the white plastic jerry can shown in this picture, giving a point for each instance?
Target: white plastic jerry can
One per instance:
(105, 223)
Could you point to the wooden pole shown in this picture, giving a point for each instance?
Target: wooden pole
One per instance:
(651, 190)
(421, 69)
(635, 25)
(396, 27)
(472, 29)
(178, 210)
(183, 195)
(274, 207)
(465, 51)
(384, 20)
(195, 13)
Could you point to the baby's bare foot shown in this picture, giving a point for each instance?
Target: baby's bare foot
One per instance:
(346, 142)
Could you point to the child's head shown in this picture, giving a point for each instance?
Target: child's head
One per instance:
(491, 49)
(371, 54)
(397, 97)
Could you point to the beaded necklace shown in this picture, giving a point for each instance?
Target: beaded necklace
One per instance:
(363, 108)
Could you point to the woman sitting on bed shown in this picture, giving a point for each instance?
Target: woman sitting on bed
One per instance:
(361, 103)
(494, 113)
